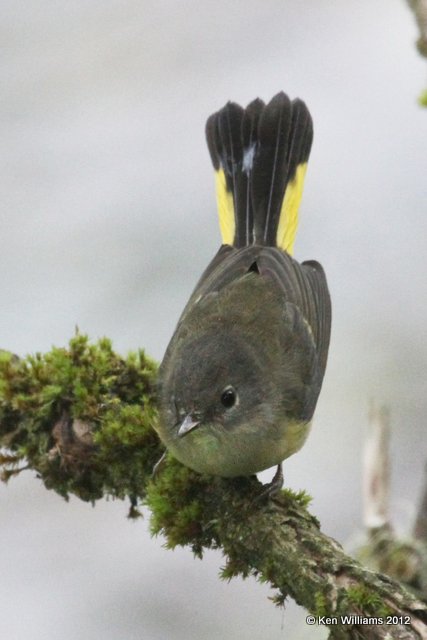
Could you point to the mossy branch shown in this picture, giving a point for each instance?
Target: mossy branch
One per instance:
(83, 418)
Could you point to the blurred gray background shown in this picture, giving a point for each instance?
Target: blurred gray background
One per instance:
(108, 218)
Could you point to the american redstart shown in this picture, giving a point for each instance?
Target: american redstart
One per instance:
(240, 379)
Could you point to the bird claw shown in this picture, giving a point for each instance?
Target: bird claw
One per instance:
(272, 489)
(158, 466)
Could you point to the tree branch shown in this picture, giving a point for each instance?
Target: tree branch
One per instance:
(82, 417)
(419, 9)
(420, 529)
(405, 560)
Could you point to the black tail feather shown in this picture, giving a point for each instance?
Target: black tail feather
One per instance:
(259, 150)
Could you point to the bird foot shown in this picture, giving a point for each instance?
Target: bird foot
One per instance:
(271, 489)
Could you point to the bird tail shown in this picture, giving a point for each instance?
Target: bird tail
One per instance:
(260, 158)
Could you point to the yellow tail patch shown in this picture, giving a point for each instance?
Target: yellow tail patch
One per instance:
(224, 197)
(288, 221)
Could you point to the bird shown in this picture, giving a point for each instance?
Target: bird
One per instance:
(241, 376)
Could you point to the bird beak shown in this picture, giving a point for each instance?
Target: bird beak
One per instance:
(188, 424)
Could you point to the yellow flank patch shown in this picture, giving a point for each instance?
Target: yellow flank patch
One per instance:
(227, 222)
(288, 221)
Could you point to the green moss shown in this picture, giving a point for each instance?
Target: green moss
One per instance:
(114, 397)
(301, 497)
(177, 512)
(367, 600)
(422, 100)
(322, 606)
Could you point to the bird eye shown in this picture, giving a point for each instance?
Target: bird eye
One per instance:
(228, 397)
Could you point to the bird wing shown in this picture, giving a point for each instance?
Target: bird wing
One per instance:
(303, 285)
